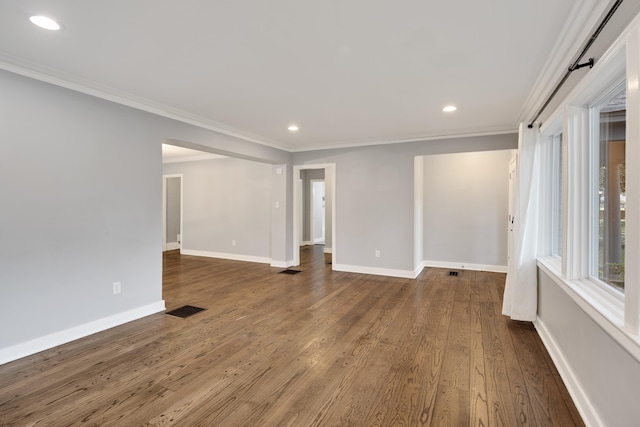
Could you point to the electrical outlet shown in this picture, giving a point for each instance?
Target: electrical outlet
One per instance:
(377, 253)
(233, 243)
(117, 288)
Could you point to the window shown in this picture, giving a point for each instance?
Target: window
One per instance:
(586, 168)
(608, 190)
(556, 195)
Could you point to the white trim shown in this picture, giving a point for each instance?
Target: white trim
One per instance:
(373, 142)
(328, 250)
(58, 78)
(164, 214)
(575, 198)
(632, 242)
(578, 395)
(580, 23)
(312, 216)
(418, 269)
(223, 255)
(592, 300)
(619, 317)
(307, 243)
(329, 169)
(68, 81)
(46, 342)
(418, 213)
(609, 68)
(194, 158)
(172, 246)
(466, 266)
(282, 264)
(405, 274)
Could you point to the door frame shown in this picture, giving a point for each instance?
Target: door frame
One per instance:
(312, 217)
(511, 214)
(329, 174)
(164, 209)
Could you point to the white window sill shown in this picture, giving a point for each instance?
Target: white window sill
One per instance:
(605, 308)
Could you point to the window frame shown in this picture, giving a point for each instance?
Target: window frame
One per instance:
(556, 192)
(594, 184)
(617, 313)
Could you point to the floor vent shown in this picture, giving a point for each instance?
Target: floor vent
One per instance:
(185, 311)
(453, 273)
(289, 271)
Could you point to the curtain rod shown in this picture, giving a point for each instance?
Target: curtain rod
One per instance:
(576, 64)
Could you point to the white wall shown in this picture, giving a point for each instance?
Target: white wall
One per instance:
(306, 175)
(317, 223)
(225, 200)
(603, 378)
(82, 178)
(466, 198)
(83, 186)
(374, 199)
(173, 209)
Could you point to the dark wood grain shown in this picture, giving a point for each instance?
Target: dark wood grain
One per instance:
(319, 348)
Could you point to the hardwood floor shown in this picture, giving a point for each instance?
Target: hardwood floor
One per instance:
(318, 348)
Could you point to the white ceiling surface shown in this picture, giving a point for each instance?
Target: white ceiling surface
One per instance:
(346, 72)
(175, 154)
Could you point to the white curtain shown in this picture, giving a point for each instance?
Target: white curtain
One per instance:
(521, 288)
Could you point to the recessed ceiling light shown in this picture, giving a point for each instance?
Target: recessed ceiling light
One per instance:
(449, 108)
(44, 22)
(293, 128)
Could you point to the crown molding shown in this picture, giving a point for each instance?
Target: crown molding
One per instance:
(582, 19)
(75, 83)
(366, 143)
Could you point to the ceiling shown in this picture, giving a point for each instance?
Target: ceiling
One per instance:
(175, 154)
(347, 72)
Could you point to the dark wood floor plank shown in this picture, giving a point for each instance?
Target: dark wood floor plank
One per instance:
(503, 401)
(319, 348)
(550, 407)
(454, 384)
(478, 400)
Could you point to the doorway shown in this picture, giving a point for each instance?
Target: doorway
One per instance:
(317, 220)
(171, 212)
(304, 233)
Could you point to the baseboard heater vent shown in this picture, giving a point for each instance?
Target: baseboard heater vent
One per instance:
(185, 311)
(453, 273)
(289, 271)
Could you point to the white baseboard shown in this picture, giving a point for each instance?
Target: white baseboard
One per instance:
(418, 269)
(466, 266)
(306, 243)
(281, 264)
(406, 274)
(586, 410)
(172, 246)
(46, 342)
(328, 250)
(234, 257)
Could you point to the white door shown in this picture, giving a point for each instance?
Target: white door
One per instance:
(317, 209)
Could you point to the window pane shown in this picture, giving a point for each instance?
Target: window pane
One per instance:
(611, 191)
